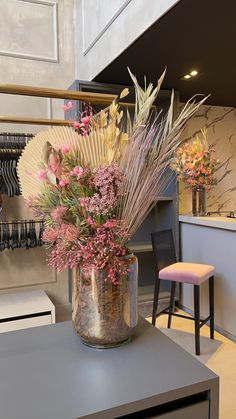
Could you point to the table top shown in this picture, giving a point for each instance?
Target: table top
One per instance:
(220, 222)
(47, 373)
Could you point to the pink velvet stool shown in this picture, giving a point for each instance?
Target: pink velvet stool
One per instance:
(186, 273)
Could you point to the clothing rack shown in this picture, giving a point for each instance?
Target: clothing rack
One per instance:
(9, 222)
(10, 150)
(11, 146)
(48, 92)
(16, 134)
(34, 121)
(20, 234)
(15, 89)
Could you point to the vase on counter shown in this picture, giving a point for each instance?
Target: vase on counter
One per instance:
(199, 202)
(104, 314)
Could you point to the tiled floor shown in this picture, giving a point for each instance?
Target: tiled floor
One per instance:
(219, 355)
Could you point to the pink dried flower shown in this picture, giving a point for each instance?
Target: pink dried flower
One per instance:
(64, 182)
(69, 232)
(33, 203)
(58, 213)
(54, 163)
(110, 224)
(83, 125)
(42, 174)
(50, 234)
(79, 172)
(83, 202)
(67, 106)
(194, 163)
(90, 221)
(86, 120)
(65, 149)
(77, 125)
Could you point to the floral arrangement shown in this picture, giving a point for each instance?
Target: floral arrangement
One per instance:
(94, 187)
(80, 211)
(194, 163)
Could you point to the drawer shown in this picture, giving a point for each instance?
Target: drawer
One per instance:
(198, 410)
(9, 326)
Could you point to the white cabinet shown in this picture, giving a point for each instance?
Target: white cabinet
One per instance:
(22, 310)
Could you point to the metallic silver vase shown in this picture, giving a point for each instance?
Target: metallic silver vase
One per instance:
(104, 315)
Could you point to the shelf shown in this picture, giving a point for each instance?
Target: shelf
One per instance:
(165, 198)
(140, 247)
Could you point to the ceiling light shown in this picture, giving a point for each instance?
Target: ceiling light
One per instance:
(194, 73)
(187, 76)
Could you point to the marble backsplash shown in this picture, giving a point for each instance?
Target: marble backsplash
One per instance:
(221, 124)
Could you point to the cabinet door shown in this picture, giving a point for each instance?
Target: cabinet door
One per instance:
(25, 323)
(195, 411)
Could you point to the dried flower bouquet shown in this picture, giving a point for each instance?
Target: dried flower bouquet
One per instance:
(95, 187)
(194, 163)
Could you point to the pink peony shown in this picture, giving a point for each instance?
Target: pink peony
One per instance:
(58, 213)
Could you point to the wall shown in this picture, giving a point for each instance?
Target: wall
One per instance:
(221, 124)
(36, 48)
(106, 28)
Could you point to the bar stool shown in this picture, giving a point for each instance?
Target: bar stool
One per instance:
(169, 269)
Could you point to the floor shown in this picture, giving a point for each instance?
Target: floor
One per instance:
(219, 355)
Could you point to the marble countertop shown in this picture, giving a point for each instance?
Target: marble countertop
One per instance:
(209, 221)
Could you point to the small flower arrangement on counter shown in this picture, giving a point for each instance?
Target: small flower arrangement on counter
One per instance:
(195, 166)
(194, 163)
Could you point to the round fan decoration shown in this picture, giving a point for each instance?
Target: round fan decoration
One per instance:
(92, 148)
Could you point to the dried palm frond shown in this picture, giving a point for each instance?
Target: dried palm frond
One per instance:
(147, 160)
(144, 99)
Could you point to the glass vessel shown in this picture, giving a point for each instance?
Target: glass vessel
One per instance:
(199, 201)
(103, 314)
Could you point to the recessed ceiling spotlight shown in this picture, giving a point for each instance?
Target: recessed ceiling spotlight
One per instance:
(187, 76)
(194, 73)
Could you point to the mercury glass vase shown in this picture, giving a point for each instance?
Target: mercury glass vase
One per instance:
(103, 314)
(199, 201)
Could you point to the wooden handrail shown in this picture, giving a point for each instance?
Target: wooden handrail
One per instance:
(34, 121)
(15, 89)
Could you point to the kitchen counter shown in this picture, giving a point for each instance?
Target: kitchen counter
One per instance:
(210, 221)
(46, 372)
(212, 240)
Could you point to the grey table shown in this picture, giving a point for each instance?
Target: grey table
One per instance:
(46, 373)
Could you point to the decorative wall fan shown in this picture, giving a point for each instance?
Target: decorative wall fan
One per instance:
(91, 146)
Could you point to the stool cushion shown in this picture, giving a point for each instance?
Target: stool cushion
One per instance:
(191, 273)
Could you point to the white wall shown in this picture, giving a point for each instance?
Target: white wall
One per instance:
(36, 48)
(106, 28)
